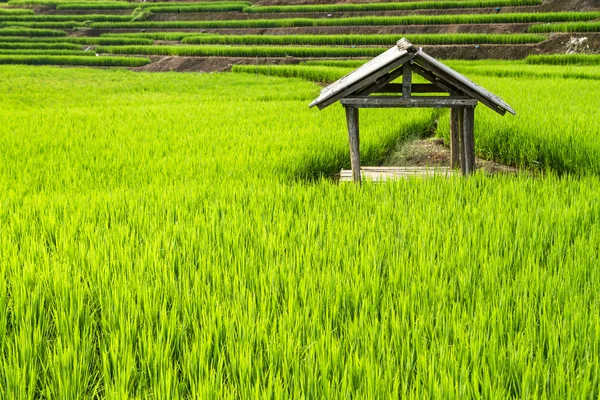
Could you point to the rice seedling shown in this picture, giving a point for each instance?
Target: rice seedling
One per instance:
(415, 5)
(311, 73)
(565, 59)
(81, 60)
(513, 69)
(363, 40)
(15, 11)
(168, 36)
(39, 46)
(30, 32)
(157, 241)
(353, 64)
(31, 52)
(61, 18)
(47, 3)
(193, 8)
(110, 41)
(243, 51)
(566, 27)
(43, 25)
(116, 5)
(364, 21)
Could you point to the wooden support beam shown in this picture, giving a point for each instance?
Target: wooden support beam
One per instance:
(416, 88)
(354, 140)
(431, 77)
(382, 82)
(406, 79)
(469, 139)
(407, 102)
(455, 133)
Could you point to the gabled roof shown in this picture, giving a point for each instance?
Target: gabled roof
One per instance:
(394, 58)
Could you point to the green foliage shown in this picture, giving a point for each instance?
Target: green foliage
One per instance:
(336, 63)
(171, 36)
(244, 51)
(42, 25)
(311, 73)
(83, 40)
(156, 242)
(567, 27)
(140, 14)
(361, 40)
(557, 126)
(15, 11)
(415, 5)
(39, 46)
(30, 32)
(60, 18)
(565, 59)
(193, 8)
(121, 5)
(364, 21)
(74, 60)
(50, 52)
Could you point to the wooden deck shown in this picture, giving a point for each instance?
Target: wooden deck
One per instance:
(382, 174)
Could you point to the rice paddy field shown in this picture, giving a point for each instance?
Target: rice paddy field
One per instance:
(183, 235)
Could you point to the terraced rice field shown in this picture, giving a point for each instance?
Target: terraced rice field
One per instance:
(183, 235)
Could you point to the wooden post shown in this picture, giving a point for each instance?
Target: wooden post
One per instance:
(352, 121)
(469, 139)
(406, 79)
(461, 145)
(455, 134)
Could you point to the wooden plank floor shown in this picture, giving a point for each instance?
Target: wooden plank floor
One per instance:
(382, 174)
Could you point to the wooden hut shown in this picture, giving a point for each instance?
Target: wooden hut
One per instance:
(370, 86)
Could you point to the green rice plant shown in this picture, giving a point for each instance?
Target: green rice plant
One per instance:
(416, 5)
(512, 69)
(51, 3)
(193, 8)
(109, 41)
(95, 5)
(157, 242)
(364, 21)
(42, 25)
(157, 7)
(544, 134)
(30, 32)
(15, 11)
(565, 59)
(243, 51)
(168, 36)
(34, 52)
(310, 73)
(363, 40)
(120, 5)
(352, 64)
(62, 18)
(140, 14)
(39, 46)
(566, 27)
(75, 60)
